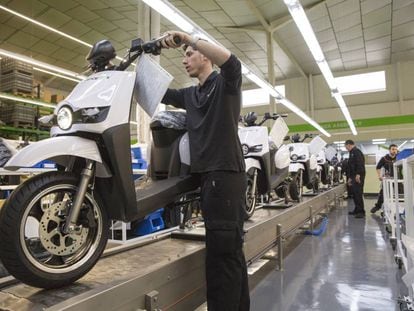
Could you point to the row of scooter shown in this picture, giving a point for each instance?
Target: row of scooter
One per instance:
(280, 167)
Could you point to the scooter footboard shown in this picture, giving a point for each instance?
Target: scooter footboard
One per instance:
(157, 194)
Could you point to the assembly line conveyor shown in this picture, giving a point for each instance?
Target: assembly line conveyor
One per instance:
(166, 272)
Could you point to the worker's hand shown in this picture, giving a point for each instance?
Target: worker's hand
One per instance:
(380, 178)
(175, 39)
(358, 179)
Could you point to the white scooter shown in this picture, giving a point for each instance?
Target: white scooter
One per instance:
(91, 144)
(267, 160)
(303, 166)
(334, 158)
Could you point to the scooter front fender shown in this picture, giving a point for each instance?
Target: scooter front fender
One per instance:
(252, 163)
(54, 147)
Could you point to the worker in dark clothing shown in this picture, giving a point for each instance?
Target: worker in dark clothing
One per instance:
(356, 177)
(385, 168)
(213, 109)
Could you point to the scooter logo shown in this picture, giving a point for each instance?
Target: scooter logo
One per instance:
(97, 77)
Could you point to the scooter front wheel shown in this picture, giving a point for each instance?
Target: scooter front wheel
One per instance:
(251, 195)
(33, 246)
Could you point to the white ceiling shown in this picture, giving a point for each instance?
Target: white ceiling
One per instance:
(354, 34)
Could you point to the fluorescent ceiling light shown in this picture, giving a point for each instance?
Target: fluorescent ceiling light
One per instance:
(339, 142)
(378, 142)
(41, 64)
(63, 34)
(259, 97)
(402, 144)
(305, 28)
(45, 26)
(25, 100)
(171, 13)
(379, 139)
(412, 140)
(341, 103)
(361, 83)
(56, 74)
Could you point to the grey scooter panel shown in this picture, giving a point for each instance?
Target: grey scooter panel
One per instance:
(185, 149)
(54, 147)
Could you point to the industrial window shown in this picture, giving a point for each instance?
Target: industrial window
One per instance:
(362, 83)
(259, 97)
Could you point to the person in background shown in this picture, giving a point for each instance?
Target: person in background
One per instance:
(213, 109)
(356, 177)
(385, 168)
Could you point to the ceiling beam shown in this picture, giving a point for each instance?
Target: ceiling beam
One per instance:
(267, 26)
(282, 21)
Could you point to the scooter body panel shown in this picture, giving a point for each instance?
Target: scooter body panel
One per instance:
(112, 89)
(59, 149)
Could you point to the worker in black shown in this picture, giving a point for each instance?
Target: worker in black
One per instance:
(385, 168)
(213, 109)
(356, 177)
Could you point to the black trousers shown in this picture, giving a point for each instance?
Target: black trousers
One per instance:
(222, 204)
(358, 194)
(380, 198)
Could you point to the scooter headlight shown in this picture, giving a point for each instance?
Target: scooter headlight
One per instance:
(64, 118)
(245, 149)
(294, 157)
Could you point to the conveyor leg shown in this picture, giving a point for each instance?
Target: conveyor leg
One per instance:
(279, 246)
(151, 301)
(311, 217)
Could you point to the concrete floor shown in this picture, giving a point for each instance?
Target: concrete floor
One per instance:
(350, 267)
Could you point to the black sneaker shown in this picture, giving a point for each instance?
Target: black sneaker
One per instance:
(351, 213)
(375, 209)
(359, 215)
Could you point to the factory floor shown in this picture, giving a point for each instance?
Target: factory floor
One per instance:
(349, 267)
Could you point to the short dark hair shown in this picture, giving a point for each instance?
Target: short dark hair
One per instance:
(349, 142)
(392, 145)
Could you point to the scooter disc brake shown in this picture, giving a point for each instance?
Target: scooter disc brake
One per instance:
(51, 235)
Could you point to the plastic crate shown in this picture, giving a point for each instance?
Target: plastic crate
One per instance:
(151, 223)
(8, 64)
(405, 153)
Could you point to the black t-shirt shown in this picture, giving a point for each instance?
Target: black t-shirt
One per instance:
(213, 111)
(387, 163)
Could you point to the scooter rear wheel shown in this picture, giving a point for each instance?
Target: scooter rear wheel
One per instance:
(33, 246)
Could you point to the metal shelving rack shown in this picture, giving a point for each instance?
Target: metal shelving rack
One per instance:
(405, 227)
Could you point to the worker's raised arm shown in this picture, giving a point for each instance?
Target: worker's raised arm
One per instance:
(217, 54)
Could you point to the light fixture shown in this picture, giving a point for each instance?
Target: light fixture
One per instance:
(378, 142)
(56, 74)
(63, 34)
(402, 144)
(171, 13)
(41, 64)
(379, 139)
(305, 28)
(25, 100)
(184, 23)
(339, 142)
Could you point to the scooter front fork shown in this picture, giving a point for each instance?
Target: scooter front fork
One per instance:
(253, 193)
(74, 211)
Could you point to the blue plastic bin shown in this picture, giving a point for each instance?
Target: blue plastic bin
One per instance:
(404, 153)
(151, 223)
